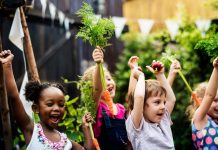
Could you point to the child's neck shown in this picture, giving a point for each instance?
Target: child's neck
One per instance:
(50, 133)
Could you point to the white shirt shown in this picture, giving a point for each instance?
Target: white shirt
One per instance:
(151, 136)
(36, 144)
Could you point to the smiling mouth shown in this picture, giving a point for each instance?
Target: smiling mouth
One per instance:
(110, 89)
(55, 119)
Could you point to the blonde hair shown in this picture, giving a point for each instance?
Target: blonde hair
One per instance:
(200, 91)
(88, 74)
(152, 88)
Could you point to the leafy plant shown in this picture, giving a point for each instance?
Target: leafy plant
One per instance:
(96, 31)
(86, 96)
(72, 119)
(209, 45)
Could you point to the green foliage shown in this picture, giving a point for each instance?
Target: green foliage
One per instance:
(209, 45)
(86, 96)
(96, 31)
(72, 119)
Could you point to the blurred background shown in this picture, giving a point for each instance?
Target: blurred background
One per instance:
(146, 28)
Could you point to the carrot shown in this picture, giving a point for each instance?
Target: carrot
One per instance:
(95, 142)
(109, 102)
(197, 100)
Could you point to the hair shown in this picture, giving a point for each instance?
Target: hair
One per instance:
(88, 74)
(200, 91)
(152, 88)
(33, 89)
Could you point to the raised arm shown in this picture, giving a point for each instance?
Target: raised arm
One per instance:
(139, 94)
(159, 73)
(20, 115)
(97, 85)
(174, 69)
(132, 63)
(200, 118)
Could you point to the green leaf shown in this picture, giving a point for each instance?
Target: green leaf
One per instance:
(95, 31)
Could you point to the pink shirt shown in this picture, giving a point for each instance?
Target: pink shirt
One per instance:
(99, 116)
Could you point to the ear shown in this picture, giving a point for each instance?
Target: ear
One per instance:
(35, 108)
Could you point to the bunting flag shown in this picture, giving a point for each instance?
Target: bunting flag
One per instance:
(119, 23)
(203, 25)
(61, 17)
(44, 5)
(172, 27)
(52, 10)
(97, 18)
(145, 25)
(67, 28)
(16, 37)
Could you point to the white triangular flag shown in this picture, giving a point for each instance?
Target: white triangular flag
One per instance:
(173, 27)
(52, 9)
(67, 28)
(44, 5)
(27, 105)
(203, 25)
(16, 37)
(145, 25)
(61, 17)
(16, 33)
(97, 16)
(119, 23)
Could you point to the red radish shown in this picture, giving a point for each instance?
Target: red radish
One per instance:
(156, 65)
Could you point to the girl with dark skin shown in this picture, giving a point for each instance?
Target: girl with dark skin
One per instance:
(48, 102)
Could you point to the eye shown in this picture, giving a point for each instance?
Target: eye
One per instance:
(157, 102)
(49, 104)
(61, 105)
(215, 100)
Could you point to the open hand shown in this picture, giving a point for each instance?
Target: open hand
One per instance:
(133, 62)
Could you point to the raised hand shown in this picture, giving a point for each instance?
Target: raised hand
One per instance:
(156, 67)
(215, 63)
(6, 56)
(133, 62)
(175, 67)
(98, 55)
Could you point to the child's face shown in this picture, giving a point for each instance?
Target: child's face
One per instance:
(111, 86)
(213, 111)
(154, 108)
(51, 106)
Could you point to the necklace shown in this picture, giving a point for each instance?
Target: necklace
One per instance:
(49, 144)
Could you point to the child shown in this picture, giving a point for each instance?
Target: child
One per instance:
(48, 102)
(109, 129)
(205, 118)
(148, 124)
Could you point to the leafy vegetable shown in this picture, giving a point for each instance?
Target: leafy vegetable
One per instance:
(209, 45)
(86, 96)
(96, 31)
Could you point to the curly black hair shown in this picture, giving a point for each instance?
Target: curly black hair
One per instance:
(33, 89)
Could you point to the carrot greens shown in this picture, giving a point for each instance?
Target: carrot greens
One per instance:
(96, 31)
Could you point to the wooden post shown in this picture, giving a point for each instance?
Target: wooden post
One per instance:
(28, 49)
(5, 113)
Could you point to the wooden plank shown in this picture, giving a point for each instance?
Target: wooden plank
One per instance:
(4, 107)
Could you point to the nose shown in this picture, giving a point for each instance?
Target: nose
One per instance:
(162, 105)
(56, 107)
